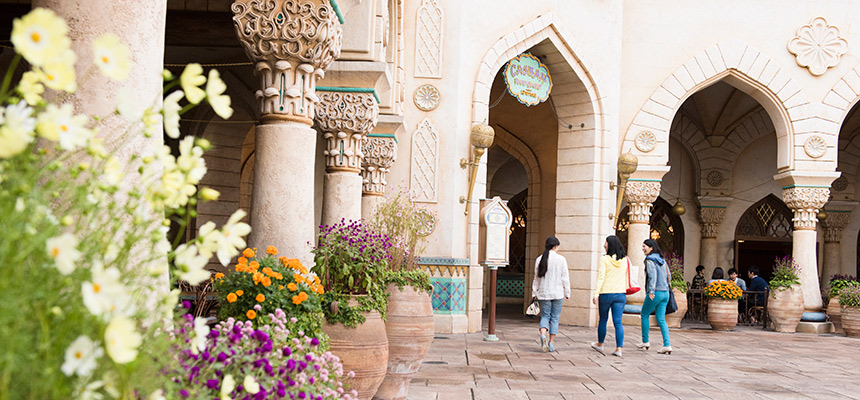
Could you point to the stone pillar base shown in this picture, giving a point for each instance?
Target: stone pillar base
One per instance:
(368, 205)
(341, 197)
(450, 323)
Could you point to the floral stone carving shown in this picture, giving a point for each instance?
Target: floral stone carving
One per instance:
(805, 202)
(426, 221)
(646, 141)
(815, 147)
(379, 155)
(426, 97)
(818, 46)
(640, 195)
(715, 178)
(840, 184)
(345, 118)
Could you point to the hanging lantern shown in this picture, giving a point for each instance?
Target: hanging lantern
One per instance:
(679, 208)
(822, 215)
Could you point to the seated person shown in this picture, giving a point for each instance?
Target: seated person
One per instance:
(733, 276)
(699, 279)
(757, 284)
(717, 275)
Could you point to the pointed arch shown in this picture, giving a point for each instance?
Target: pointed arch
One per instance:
(767, 219)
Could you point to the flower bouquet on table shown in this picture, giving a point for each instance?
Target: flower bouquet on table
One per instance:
(270, 283)
(726, 290)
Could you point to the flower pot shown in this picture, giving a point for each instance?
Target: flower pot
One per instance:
(785, 308)
(363, 350)
(834, 311)
(674, 319)
(722, 313)
(409, 325)
(851, 321)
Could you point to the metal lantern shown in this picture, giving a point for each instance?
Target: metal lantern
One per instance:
(679, 208)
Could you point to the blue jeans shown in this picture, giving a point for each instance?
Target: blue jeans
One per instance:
(616, 302)
(659, 305)
(550, 311)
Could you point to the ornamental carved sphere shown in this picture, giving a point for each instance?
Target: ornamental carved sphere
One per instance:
(627, 163)
(482, 136)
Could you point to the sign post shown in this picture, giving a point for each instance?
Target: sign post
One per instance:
(493, 248)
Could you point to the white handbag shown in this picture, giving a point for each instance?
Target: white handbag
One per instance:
(534, 308)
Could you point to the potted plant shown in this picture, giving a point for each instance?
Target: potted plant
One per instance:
(849, 299)
(409, 321)
(723, 304)
(351, 261)
(786, 305)
(837, 282)
(679, 286)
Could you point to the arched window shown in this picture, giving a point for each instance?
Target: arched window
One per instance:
(769, 219)
(666, 228)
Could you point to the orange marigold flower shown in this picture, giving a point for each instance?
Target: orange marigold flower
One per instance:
(280, 287)
(242, 260)
(303, 269)
(298, 278)
(254, 265)
(231, 298)
(269, 271)
(293, 263)
(239, 292)
(292, 286)
(297, 300)
(266, 281)
(251, 314)
(219, 275)
(260, 298)
(258, 277)
(283, 260)
(271, 250)
(316, 279)
(248, 253)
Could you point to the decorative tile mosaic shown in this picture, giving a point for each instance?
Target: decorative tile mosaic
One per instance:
(510, 286)
(449, 295)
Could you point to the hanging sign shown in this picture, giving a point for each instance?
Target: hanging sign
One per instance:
(493, 239)
(528, 79)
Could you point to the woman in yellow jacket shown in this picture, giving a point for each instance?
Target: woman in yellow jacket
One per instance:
(611, 288)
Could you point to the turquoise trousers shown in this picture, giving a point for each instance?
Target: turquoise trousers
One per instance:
(658, 304)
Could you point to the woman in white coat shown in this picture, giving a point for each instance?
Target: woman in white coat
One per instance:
(551, 286)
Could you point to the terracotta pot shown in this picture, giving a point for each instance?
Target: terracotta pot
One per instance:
(785, 308)
(851, 321)
(722, 314)
(674, 319)
(409, 325)
(834, 311)
(363, 350)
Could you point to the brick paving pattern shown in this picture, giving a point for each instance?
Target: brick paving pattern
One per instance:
(748, 363)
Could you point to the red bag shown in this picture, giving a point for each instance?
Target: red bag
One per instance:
(632, 281)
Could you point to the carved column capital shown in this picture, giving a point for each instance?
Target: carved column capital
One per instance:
(640, 195)
(292, 42)
(345, 118)
(379, 154)
(711, 217)
(833, 225)
(805, 202)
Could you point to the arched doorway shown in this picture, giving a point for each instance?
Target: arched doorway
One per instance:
(762, 234)
(666, 228)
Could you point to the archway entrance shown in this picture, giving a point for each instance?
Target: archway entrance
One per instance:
(763, 233)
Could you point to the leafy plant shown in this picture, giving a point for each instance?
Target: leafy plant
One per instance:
(849, 296)
(786, 273)
(837, 282)
(272, 283)
(418, 279)
(402, 221)
(676, 269)
(727, 290)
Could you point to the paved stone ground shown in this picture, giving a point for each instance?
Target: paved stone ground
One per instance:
(748, 363)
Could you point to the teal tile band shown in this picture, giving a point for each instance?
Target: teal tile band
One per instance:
(337, 11)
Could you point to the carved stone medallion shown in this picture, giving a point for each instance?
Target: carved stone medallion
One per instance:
(815, 146)
(840, 184)
(818, 46)
(715, 178)
(426, 222)
(426, 97)
(646, 141)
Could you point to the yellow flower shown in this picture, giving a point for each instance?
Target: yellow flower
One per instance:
(171, 113)
(30, 89)
(39, 36)
(209, 194)
(61, 124)
(59, 74)
(112, 57)
(191, 78)
(122, 340)
(219, 101)
(16, 128)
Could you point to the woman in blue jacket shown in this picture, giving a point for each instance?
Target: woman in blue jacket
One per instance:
(657, 294)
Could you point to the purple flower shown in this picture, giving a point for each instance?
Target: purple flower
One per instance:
(315, 342)
(186, 305)
(183, 392)
(212, 383)
(222, 356)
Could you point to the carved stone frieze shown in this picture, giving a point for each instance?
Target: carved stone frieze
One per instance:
(379, 155)
(711, 217)
(345, 118)
(292, 42)
(805, 202)
(833, 225)
(640, 195)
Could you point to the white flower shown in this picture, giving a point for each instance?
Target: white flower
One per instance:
(232, 237)
(251, 385)
(190, 80)
(60, 74)
(191, 161)
(171, 113)
(209, 237)
(112, 57)
(151, 123)
(61, 124)
(81, 357)
(105, 296)
(16, 128)
(90, 391)
(30, 88)
(190, 265)
(63, 250)
(227, 386)
(158, 394)
(40, 35)
(219, 101)
(122, 340)
(201, 331)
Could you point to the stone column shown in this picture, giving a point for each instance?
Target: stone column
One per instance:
(292, 44)
(711, 217)
(380, 152)
(805, 202)
(833, 225)
(345, 119)
(639, 195)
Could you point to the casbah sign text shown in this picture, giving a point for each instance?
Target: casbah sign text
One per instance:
(528, 79)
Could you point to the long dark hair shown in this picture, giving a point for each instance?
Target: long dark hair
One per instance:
(615, 248)
(655, 248)
(551, 242)
(718, 273)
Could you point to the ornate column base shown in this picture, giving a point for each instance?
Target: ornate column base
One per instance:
(341, 197)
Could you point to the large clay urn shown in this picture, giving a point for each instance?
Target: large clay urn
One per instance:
(674, 319)
(851, 321)
(834, 311)
(722, 314)
(409, 326)
(363, 350)
(785, 308)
